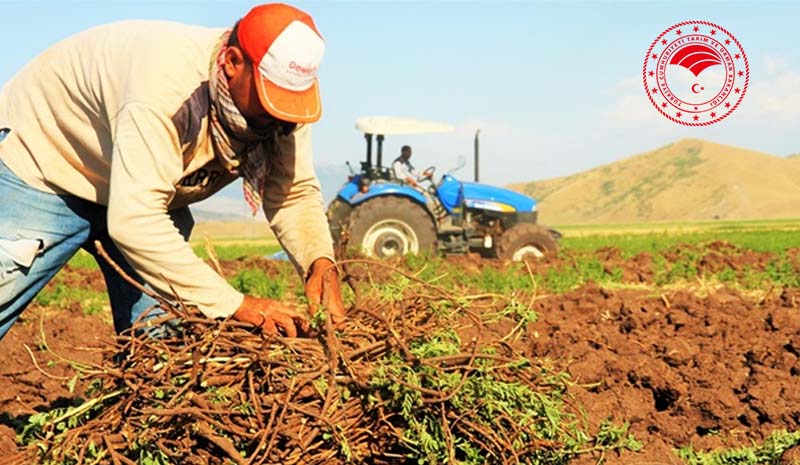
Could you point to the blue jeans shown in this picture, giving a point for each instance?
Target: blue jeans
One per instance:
(40, 232)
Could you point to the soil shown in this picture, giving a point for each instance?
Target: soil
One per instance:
(721, 369)
(791, 456)
(708, 259)
(712, 371)
(25, 388)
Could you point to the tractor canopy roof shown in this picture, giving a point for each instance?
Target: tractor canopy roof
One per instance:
(387, 125)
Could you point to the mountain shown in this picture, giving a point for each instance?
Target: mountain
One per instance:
(689, 180)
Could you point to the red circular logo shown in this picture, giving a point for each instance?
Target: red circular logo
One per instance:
(696, 73)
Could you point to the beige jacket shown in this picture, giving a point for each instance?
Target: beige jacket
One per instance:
(117, 115)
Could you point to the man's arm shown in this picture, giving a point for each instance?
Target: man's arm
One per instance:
(402, 172)
(293, 203)
(294, 207)
(146, 165)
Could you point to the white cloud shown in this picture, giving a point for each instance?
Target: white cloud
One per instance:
(629, 84)
(773, 95)
(775, 99)
(774, 64)
(633, 109)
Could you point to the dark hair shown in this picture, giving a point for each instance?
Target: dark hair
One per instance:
(233, 41)
(405, 148)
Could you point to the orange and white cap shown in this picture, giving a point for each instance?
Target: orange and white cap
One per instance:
(286, 50)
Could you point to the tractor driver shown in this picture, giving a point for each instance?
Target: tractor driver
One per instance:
(403, 169)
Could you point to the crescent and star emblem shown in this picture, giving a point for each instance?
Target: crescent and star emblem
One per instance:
(695, 46)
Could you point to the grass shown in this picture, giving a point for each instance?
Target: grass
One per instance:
(767, 453)
(257, 283)
(680, 227)
(83, 261)
(632, 243)
(232, 251)
(226, 250)
(669, 267)
(761, 236)
(61, 295)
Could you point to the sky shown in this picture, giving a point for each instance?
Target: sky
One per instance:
(554, 87)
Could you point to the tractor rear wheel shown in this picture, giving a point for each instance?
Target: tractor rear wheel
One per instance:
(526, 240)
(391, 226)
(339, 220)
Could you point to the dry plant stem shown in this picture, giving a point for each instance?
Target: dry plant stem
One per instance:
(102, 252)
(448, 435)
(270, 428)
(86, 368)
(280, 419)
(184, 311)
(223, 443)
(333, 361)
(36, 364)
(212, 255)
(110, 450)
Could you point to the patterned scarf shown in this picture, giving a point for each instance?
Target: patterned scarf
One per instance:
(241, 149)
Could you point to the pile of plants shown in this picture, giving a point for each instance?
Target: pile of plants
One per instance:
(416, 375)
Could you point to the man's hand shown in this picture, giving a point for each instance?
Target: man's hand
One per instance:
(322, 288)
(272, 316)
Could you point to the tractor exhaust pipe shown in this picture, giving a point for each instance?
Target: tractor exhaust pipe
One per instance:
(369, 150)
(477, 152)
(380, 150)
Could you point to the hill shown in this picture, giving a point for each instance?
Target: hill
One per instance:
(689, 180)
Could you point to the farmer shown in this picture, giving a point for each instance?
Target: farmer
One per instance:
(403, 169)
(110, 134)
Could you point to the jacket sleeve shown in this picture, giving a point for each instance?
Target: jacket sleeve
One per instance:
(146, 165)
(293, 203)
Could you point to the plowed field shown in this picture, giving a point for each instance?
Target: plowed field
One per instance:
(695, 346)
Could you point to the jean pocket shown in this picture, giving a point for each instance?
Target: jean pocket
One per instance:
(16, 256)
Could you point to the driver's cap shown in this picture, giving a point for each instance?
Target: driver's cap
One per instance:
(286, 50)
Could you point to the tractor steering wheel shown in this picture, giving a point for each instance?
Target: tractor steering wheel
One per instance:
(428, 173)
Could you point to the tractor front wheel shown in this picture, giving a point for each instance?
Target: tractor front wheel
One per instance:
(526, 240)
(391, 226)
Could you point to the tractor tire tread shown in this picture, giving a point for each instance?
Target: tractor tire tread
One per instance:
(523, 234)
(392, 207)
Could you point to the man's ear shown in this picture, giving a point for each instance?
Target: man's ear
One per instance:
(234, 61)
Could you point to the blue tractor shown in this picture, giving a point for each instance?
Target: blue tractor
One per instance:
(381, 216)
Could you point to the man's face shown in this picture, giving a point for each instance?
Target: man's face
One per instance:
(406, 153)
(242, 86)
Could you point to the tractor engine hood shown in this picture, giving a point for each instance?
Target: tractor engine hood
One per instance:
(481, 196)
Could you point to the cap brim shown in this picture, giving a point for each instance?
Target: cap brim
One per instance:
(288, 105)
